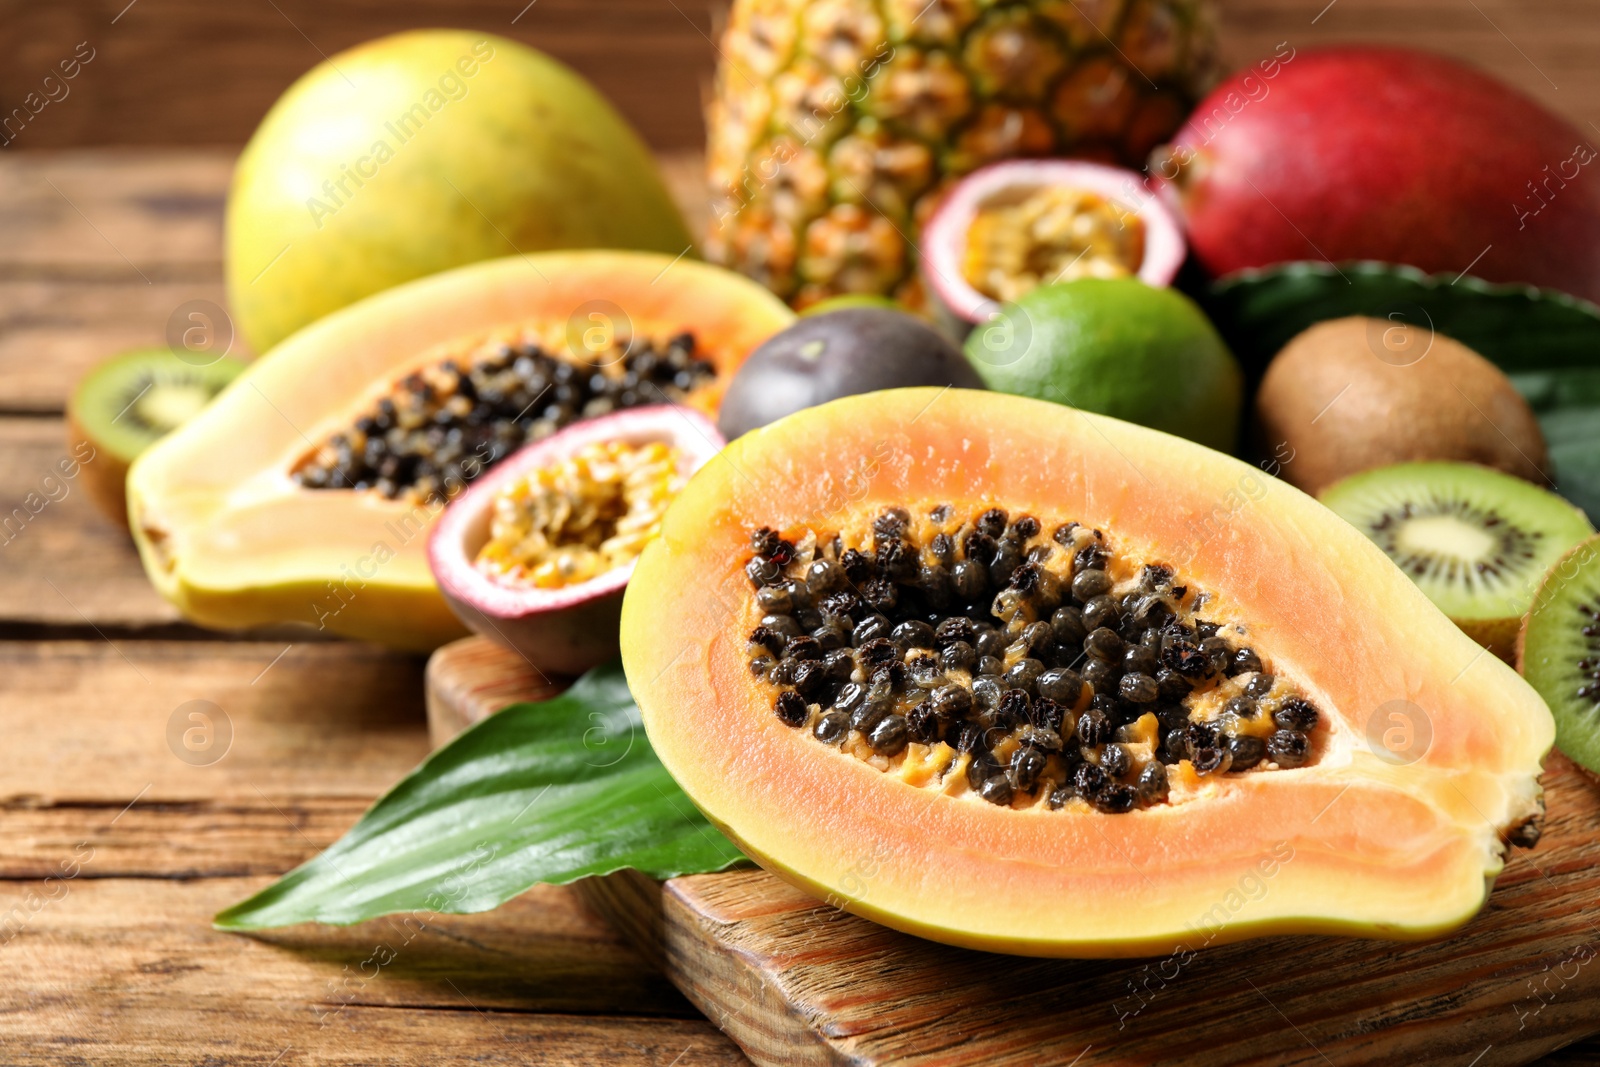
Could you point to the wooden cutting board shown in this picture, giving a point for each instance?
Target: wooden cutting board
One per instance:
(795, 981)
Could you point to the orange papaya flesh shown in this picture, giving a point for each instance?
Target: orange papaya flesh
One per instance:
(1424, 764)
(247, 517)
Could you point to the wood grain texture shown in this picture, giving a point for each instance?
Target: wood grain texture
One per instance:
(170, 72)
(316, 734)
(114, 853)
(88, 721)
(543, 952)
(66, 564)
(128, 972)
(118, 965)
(170, 837)
(130, 215)
(237, 1029)
(795, 981)
(53, 332)
(470, 674)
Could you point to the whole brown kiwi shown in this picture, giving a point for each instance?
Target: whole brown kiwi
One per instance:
(1351, 394)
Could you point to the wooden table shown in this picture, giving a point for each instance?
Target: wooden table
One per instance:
(114, 852)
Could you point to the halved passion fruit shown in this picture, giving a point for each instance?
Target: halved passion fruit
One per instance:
(1055, 684)
(535, 554)
(1009, 228)
(306, 491)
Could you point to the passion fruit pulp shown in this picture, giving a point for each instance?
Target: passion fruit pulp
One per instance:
(535, 555)
(1009, 228)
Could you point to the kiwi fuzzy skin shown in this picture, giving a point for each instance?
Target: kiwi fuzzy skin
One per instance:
(1500, 636)
(1351, 394)
(104, 477)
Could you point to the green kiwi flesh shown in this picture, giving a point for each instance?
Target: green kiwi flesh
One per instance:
(1475, 540)
(1559, 651)
(128, 402)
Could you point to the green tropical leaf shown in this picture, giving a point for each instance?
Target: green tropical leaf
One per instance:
(1519, 327)
(546, 792)
(1548, 343)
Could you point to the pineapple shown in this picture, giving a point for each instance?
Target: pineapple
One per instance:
(837, 124)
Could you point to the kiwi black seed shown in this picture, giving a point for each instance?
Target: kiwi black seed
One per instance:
(1476, 541)
(446, 423)
(1560, 651)
(1028, 645)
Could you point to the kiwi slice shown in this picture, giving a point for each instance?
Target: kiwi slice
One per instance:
(1476, 541)
(129, 402)
(1559, 651)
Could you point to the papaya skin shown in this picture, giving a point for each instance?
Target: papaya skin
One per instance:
(1351, 844)
(228, 537)
(420, 152)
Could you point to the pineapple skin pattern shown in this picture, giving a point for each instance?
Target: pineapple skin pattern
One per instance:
(836, 125)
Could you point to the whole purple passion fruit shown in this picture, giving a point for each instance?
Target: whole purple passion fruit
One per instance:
(839, 353)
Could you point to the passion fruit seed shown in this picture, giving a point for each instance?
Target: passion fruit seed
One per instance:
(443, 425)
(1051, 233)
(585, 516)
(902, 645)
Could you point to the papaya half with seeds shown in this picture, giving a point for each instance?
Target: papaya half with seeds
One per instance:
(305, 492)
(1043, 682)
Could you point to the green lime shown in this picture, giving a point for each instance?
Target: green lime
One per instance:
(1117, 347)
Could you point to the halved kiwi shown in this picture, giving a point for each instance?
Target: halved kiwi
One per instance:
(126, 404)
(1558, 651)
(1475, 540)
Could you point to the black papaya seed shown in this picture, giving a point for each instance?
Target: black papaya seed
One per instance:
(937, 637)
(791, 709)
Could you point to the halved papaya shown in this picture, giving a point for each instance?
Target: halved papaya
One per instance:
(1020, 678)
(305, 492)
